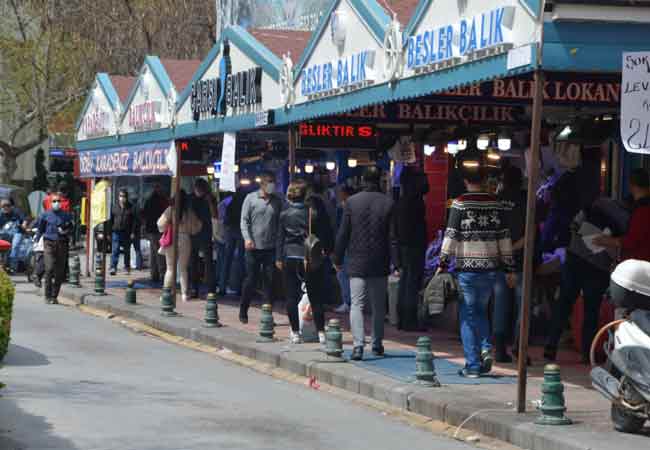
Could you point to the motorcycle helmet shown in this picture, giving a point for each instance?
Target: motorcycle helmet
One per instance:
(630, 285)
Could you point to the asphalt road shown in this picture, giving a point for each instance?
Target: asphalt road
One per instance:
(76, 381)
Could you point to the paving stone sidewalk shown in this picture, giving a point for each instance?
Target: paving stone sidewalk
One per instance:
(490, 405)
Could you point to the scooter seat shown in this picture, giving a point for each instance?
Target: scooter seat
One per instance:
(641, 318)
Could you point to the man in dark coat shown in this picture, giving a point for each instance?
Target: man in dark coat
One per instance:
(411, 232)
(123, 223)
(154, 207)
(366, 234)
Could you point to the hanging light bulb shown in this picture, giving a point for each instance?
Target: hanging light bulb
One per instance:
(245, 182)
(462, 144)
(309, 168)
(429, 150)
(504, 143)
(452, 147)
(493, 156)
(330, 165)
(483, 142)
(210, 170)
(298, 170)
(352, 163)
(236, 168)
(258, 180)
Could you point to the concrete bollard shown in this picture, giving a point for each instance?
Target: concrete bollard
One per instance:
(75, 272)
(334, 340)
(425, 371)
(267, 331)
(100, 276)
(553, 404)
(130, 297)
(211, 312)
(167, 303)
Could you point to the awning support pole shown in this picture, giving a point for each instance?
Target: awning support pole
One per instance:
(176, 187)
(529, 246)
(292, 153)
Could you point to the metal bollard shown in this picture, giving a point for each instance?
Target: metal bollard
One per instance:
(425, 371)
(130, 293)
(267, 331)
(167, 303)
(553, 404)
(211, 312)
(100, 274)
(334, 340)
(75, 271)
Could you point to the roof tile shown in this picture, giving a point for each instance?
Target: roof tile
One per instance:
(122, 86)
(180, 71)
(280, 42)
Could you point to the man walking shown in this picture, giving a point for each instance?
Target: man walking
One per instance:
(154, 207)
(259, 227)
(366, 239)
(123, 231)
(478, 236)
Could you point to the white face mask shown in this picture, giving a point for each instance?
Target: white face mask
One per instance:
(269, 188)
(56, 206)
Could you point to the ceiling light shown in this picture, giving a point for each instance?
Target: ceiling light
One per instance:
(309, 168)
(210, 170)
(452, 147)
(471, 164)
(297, 170)
(258, 180)
(494, 156)
(236, 168)
(245, 182)
(504, 143)
(483, 142)
(330, 165)
(429, 150)
(352, 163)
(462, 144)
(565, 133)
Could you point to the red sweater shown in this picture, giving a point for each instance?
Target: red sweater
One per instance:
(635, 243)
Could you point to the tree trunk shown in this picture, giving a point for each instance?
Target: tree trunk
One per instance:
(8, 166)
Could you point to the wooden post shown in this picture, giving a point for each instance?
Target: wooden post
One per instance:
(292, 153)
(529, 249)
(90, 232)
(176, 187)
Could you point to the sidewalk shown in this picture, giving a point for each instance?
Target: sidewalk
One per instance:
(490, 399)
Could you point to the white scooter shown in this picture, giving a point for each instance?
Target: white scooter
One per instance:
(625, 378)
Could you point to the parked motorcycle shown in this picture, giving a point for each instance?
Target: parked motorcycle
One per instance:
(625, 377)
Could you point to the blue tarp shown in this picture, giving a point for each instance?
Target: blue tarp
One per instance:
(134, 160)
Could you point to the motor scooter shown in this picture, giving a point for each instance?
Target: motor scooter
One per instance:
(624, 379)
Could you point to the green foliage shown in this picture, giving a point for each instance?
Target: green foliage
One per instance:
(7, 293)
(40, 182)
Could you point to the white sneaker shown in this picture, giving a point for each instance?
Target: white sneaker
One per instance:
(344, 308)
(295, 338)
(321, 338)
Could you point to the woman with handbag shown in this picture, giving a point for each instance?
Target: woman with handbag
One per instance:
(188, 225)
(304, 238)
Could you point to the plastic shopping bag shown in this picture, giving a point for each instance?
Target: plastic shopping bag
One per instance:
(306, 318)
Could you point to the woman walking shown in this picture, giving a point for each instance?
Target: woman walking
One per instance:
(293, 230)
(188, 225)
(54, 226)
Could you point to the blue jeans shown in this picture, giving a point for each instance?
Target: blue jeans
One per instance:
(503, 305)
(344, 281)
(120, 239)
(473, 309)
(233, 242)
(16, 241)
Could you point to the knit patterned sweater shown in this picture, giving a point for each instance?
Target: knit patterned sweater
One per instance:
(478, 235)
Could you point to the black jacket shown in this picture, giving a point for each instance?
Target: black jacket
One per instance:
(154, 207)
(294, 228)
(123, 219)
(410, 222)
(367, 235)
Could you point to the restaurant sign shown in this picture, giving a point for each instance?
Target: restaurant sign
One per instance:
(347, 73)
(332, 135)
(96, 123)
(138, 160)
(485, 34)
(146, 115)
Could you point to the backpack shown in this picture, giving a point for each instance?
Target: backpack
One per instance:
(313, 248)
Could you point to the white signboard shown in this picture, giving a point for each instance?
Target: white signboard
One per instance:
(635, 102)
(227, 182)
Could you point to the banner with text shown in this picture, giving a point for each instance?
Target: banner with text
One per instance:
(635, 102)
(136, 160)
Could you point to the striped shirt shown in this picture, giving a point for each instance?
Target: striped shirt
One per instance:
(478, 235)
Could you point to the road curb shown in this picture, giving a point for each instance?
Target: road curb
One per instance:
(446, 404)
